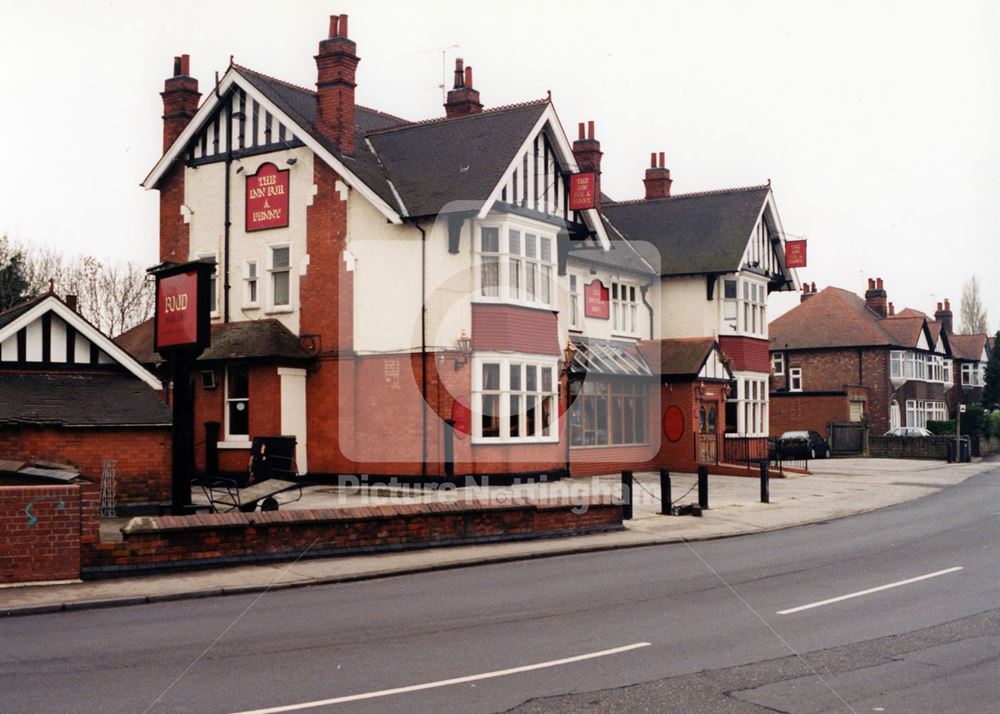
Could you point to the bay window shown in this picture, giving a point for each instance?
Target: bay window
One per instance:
(515, 265)
(606, 413)
(515, 399)
(919, 412)
(744, 306)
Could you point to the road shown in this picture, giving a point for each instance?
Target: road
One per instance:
(913, 626)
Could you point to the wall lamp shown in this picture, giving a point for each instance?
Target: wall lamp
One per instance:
(464, 343)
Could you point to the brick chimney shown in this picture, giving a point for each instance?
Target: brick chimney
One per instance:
(657, 179)
(587, 152)
(875, 297)
(336, 67)
(944, 316)
(892, 309)
(807, 292)
(180, 100)
(71, 302)
(463, 99)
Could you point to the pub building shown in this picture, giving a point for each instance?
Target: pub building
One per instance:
(416, 299)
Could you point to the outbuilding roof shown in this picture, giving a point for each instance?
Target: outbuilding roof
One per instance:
(79, 400)
(678, 357)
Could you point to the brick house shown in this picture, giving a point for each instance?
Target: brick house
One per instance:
(419, 299)
(71, 395)
(838, 357)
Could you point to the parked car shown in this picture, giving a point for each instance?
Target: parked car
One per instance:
(803, 445)
(908, 431)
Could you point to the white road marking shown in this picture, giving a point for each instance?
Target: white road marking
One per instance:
(448, 682)
(869, 591)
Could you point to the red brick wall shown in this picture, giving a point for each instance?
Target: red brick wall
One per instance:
(747, 353)
(793, 411)
(513, 328)
(174, 232)
(176, 541)
(143, 455)
(40, 531)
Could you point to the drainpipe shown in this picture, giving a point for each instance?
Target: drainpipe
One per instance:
(227, 222)
(423, 349)
(643, 291)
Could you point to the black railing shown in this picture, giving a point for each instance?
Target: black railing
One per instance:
(750, 451)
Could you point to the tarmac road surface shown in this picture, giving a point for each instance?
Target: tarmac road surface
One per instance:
(894, 610)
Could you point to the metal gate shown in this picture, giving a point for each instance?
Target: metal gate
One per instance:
(707, 446)
(847, 438)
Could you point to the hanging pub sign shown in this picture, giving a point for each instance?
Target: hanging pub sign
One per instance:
(595, 300)
(582, 191)
(267, 198)
(183, 303)
(795, 253)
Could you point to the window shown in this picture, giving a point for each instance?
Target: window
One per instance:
(744, 306)
(574, 303)
(746, 410)
(607, 413)
(894, 414)
(948, 376)
(281, 273)
(515, 400)
(795, 379)
(250, 298)
(237, 401)
(516, 266)
(624, 309)
(919, 412)
(973, 375)
(213, 286)
(857, 410)
(778, 364)
(896, 364)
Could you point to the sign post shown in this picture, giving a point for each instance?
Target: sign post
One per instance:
(180, 333)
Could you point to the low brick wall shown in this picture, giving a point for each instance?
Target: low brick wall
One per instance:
(901, 447)
(212, 540)
(42, 529)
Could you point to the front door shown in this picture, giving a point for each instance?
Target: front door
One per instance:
(707, 438)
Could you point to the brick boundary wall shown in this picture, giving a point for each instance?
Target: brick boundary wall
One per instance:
(43, 528)
(173, 543)
(901, 447)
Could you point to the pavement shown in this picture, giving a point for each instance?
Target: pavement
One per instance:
(834, 489)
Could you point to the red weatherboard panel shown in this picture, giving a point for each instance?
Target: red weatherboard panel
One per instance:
(747, 353)
(517, 329)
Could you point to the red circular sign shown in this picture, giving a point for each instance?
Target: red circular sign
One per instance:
(673, 423)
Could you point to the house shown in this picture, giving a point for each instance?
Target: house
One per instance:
(72, 396)
(970, 354)
(719, 255)
(839, 358)
(450, 297)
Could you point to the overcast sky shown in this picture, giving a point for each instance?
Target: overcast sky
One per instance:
(877, 122)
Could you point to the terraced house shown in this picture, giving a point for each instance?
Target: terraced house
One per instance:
(454, 296)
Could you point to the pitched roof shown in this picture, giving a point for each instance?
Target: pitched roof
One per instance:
(14, 312)
(251, 339)
(677, 357)
(904, 330)
(79, 400)
(607, 357)
(833, 317)
(622, 256)
(694, 233)
(428, 163)
(967, 347)
(909, 312)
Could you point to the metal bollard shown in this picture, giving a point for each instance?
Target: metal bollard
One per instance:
(664, 492)
(626, 495)
(703, 486)
(765, 482)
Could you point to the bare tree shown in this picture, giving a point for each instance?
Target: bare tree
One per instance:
(973, 312)
(113, 296)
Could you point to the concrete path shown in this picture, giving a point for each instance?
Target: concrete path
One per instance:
(836, 488)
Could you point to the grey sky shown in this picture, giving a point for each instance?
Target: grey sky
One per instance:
(876, 121)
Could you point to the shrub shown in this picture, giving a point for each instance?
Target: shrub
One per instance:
(994, 422)
(974, 421)
(941, 428)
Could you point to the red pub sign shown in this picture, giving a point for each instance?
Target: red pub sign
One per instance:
(582, 191)
(177, 310)
(595, 300)
(795, 253)
(267, 198)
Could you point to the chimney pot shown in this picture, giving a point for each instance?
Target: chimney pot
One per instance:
(813, 288)
(662, 160)
(71, 302)
(468, 77)
(805, 287)
(582, 132)
(871, 283)
(463, 99)
(342, 28)
(892, 309)
(878, 283)
(652, 160)
(590, 130)
(939, 307)
(334, 21)
(947, 304)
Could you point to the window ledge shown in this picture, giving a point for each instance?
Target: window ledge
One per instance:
(233, 444)
(279, 310)
(511, 303)
(480, 441)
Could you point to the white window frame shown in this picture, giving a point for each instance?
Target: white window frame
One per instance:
(251, 284)
(624, 311)
(752, 405)
(794, 379)
(947, 371)
(272, 271)
(213, 285)
(575, 307)
(229, 437)
(778, 364)
(523, 262)
(746, 313)
(505, 361)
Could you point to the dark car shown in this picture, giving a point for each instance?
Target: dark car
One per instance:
(802, 445)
